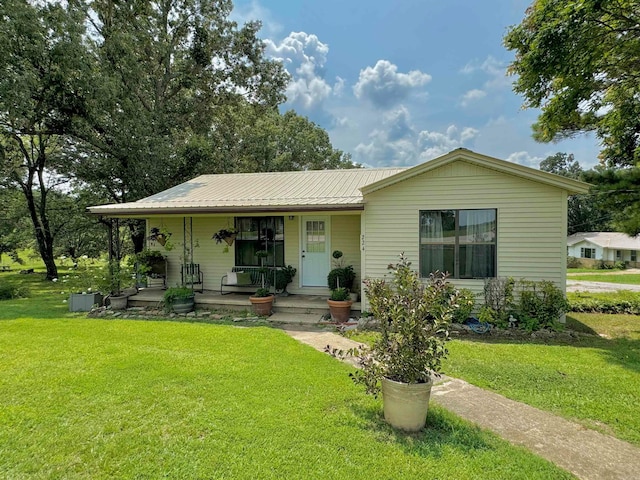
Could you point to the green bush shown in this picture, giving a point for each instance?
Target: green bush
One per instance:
(573, 262)
(339, 295)
(618, 303)
(466, 303)
(346, 275)
(498, 296)
(540, 304)
(8, 292)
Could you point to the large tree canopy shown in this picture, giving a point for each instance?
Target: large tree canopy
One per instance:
(579, 62)
(42, 61)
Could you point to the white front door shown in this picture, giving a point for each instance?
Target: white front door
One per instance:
(316, 258)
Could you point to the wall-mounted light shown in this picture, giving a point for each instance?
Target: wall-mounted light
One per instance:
(291, 217)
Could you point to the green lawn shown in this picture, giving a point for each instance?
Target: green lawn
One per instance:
(629, 278)
(83, 398)
(594, 381)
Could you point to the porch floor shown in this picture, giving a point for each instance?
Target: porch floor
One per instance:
(211, 299)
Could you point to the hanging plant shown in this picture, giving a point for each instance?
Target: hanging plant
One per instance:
(227, 235)
(161, 236)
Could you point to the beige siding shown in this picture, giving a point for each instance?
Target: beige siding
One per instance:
(531, 220)
(345, 236)
(215, 262)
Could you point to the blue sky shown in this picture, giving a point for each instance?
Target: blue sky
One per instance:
(398, 83)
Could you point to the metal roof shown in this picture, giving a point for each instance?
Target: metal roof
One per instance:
(617, 240)
(303, 190)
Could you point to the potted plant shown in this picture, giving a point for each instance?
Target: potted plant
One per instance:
(152, 265)
(227, 235)
(179, 299)
(86, 292)
(414, 326)
(160, 235)
(284, 276)
(262, 302)
(117, 281)
(340, 305)
(340, 275)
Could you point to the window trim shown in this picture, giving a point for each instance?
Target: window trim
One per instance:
(456, 263)
(239, 239)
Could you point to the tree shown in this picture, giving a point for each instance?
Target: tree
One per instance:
(584, 212)
(578, 62)
(41, 57)
(617, 192)
(246, 139)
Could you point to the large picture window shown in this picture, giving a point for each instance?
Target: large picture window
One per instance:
(460, 242)
(259, 233)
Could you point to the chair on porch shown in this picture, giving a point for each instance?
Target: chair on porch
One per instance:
(192, 275)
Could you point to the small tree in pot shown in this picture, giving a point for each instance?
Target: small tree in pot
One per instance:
(414, 326)
(262, 300)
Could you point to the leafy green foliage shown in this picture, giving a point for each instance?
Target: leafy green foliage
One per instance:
(262, 292)
(339, 294)
(534, 305)
(284, 276)
(624, 302)
(576, 61)
(176, 293)
(466, 303)
(414, 326)
(9, 291)
(585, 213)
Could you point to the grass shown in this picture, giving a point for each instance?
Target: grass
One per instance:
(139, 399)
(629, 278)
(90, 398)
(594, 381)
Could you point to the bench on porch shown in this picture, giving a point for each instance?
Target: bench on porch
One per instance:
(243, 277)
(192, 275)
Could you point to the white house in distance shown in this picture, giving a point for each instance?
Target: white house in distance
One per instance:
(592, 247)
(471, 215)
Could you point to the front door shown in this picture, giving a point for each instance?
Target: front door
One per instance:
(315, 251)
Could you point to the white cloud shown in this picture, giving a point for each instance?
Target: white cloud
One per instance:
(255, 11)
(433, 144)
(304, 56)
(384, 87)
(471, 96)
(524, 158)
(495, 70)
(397, 142)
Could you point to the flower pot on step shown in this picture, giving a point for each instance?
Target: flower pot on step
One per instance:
(262, 306)
(340, 310)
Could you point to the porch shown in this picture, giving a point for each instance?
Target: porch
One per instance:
(212, 300)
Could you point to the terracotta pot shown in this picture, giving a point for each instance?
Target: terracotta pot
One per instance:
(340, 310)
(406, 404)
(262, 306)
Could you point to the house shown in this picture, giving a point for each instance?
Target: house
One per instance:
(469, 214)
(611, 247)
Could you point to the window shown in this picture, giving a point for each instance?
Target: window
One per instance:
(587, 252)
(460, 242)
(634, 256)
(618, 255)
(259, 233)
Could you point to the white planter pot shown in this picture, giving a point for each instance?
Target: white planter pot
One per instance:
(83, 302)
(406, 404)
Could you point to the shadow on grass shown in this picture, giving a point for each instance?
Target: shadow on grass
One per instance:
(443, 432)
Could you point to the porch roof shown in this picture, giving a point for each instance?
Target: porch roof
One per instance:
(271, 191)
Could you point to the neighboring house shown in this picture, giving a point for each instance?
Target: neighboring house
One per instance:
(469, 214)
(592, 247)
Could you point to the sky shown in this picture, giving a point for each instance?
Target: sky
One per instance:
(396, 83)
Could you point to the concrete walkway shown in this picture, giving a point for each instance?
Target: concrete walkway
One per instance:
(586, 453)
